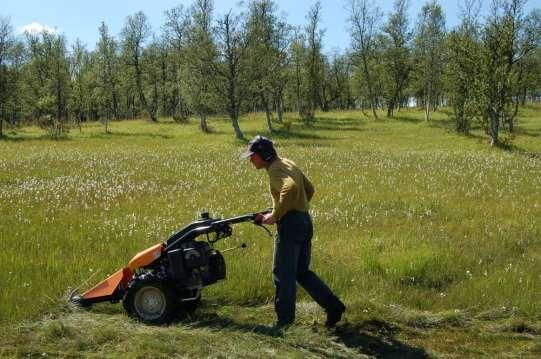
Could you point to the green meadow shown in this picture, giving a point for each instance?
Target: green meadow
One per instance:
(432, 239)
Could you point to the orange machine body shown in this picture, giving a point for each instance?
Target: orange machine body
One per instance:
(108, 287)
(121, 278)
(146, 257)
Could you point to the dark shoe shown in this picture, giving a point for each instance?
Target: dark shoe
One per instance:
(279, 325)
(334, 316)
(273, 329)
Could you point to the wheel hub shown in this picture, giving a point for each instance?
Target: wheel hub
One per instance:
(150, 303)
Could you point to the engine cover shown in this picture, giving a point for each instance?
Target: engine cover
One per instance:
(176, 268)
(217, 269)
(196, 256)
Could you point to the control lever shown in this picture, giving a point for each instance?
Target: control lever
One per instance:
(242, 246)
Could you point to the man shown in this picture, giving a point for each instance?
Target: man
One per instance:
(291, 191)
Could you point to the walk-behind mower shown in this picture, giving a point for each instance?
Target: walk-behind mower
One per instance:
(169, 276)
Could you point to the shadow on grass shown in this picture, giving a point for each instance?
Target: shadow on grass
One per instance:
(528, 133)
(475, 133)
(357, 121)
(99, 135)
(447, 122)
(336, 124)
(44, 137)
(214, 321)
(109, 135)
(374, 337)
(330, 126)
(284, 134)
(405, 119)
(520, 151)
(377, 338)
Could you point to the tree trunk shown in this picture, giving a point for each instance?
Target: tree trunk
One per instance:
(153, 110)
(1, 120)
(236, 127)
(107, 120)
(268, 112)
(142, 97)
(298, 85)
(511, 125)
(390, 109)
(115, 104)
(280, 107)
(370, 89)
(427, 104)
(203, 124)
(494, 128)
(179, 114)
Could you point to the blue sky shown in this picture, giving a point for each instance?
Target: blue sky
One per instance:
(80, 19)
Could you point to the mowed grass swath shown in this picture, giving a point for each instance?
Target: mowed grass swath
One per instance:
(406, 213)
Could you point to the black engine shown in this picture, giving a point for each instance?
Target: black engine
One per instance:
(195, 264)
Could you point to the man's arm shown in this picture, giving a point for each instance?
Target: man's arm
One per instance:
(282, 187)
(283, 204)
(308, 188)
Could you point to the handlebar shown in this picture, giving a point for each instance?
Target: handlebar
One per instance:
(240, 219)
(207, 225)
(251, 217)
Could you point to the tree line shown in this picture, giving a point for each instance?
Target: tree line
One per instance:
(202, 64)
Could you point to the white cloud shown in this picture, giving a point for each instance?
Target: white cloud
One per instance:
(36, 28)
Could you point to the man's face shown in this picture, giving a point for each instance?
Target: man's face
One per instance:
(257, 161)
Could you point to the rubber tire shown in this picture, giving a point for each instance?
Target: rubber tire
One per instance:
(151, 287)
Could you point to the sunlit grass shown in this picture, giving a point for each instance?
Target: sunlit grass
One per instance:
(406, 213)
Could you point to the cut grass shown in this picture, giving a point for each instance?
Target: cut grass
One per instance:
(218, 330)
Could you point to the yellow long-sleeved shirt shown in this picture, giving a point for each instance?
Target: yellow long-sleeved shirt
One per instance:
(290, 188)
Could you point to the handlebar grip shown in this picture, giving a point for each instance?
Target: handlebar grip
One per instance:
(258, 218)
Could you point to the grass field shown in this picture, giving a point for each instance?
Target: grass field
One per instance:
(432, 239)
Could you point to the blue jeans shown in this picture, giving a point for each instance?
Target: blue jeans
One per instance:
(292, 252)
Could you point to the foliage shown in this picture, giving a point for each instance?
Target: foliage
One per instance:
(200, 63)
(107, 68)
(231, 69)
(269, 37)
(47, 98)
(364, 18)
(508, 38)
(464, 85)
(6, 45)
(202, 52)
(134, 34)
(428, 55)
(175, 34)
(396, 53)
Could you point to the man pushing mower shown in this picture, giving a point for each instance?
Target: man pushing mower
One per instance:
(291, 193)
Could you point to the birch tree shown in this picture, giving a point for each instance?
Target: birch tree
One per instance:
(364, 20)
(429, 41)
(6, 42)
(231, 71)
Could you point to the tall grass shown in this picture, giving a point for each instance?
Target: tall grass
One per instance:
(405, 213)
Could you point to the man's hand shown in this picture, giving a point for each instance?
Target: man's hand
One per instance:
(258, 219)
(267, 219)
